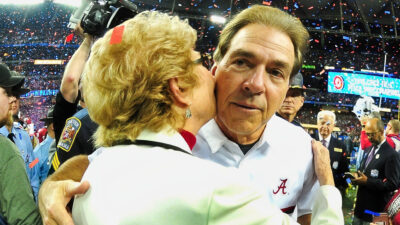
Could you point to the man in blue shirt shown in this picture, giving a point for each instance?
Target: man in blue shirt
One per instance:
(41, 152)
(17, 205)
(16, 133)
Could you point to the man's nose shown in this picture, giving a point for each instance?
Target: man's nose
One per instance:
(289, 99)
(255, 83)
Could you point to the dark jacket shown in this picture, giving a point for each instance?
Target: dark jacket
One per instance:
(76, 139)
(339, 162)
(383, 174)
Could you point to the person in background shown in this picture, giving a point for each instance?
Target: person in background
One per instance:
(41, 133)
(72, 124)
(17, 204)
(392, 134)
(378, 176)
(294, 100)
(68, 98)
(41, 152)
(15, 104)
(326, 121)
(364, 141)
(18, 135)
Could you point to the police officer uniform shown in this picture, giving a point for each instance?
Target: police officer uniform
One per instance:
(75, 139)
(62, 111)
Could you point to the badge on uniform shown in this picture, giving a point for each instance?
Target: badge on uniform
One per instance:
(337, 150)
(335, 165)
(71, 128)
(374, 173)
(377, 156)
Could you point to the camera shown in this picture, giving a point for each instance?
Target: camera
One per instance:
(96, 17)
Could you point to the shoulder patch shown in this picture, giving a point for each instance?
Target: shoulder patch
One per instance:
(68, 135)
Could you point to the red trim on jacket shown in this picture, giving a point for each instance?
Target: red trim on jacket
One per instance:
(189, 138)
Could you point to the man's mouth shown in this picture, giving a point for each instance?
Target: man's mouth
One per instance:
(246, 106)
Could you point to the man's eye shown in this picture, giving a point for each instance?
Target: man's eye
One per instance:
(240, 62)
(276, 73)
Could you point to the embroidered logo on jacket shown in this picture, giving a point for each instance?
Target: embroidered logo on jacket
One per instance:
(71, 128)
(282, 187)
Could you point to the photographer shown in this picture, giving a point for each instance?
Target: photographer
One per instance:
(67, 101)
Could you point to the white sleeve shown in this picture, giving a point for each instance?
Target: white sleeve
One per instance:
(94, 154)
(310, 187)
(327, 207)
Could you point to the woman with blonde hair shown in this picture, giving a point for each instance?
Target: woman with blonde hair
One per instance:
(146, 88)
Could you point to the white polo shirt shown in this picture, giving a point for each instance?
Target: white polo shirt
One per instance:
(281, 162)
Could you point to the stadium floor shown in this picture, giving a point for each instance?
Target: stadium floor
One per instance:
(348, 204)
(348, 201)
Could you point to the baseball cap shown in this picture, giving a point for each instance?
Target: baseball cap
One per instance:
(6, 79)
(49, 116)
(19, 89)
(297, 81)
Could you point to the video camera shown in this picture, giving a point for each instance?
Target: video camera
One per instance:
(96, 17)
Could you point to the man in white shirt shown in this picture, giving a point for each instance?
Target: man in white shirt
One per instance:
(259, 51)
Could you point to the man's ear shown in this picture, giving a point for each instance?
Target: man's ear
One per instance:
(181, 97)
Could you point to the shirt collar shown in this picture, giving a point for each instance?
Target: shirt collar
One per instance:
(213, 134)
(166, 135)
(216, 138)
(379, 146)
(328, 139)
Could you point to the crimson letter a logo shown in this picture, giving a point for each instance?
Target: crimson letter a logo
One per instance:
(281, 187)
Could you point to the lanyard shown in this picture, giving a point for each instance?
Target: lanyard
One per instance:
(150, 143)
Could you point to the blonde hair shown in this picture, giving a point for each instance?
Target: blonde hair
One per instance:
(126, 84)
(271, 17)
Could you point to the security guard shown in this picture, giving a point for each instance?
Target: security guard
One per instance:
(75, 139)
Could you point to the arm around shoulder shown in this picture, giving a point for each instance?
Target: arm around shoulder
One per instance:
(327, 207)
(57, 190)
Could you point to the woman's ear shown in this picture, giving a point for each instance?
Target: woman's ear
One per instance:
(180, 96)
